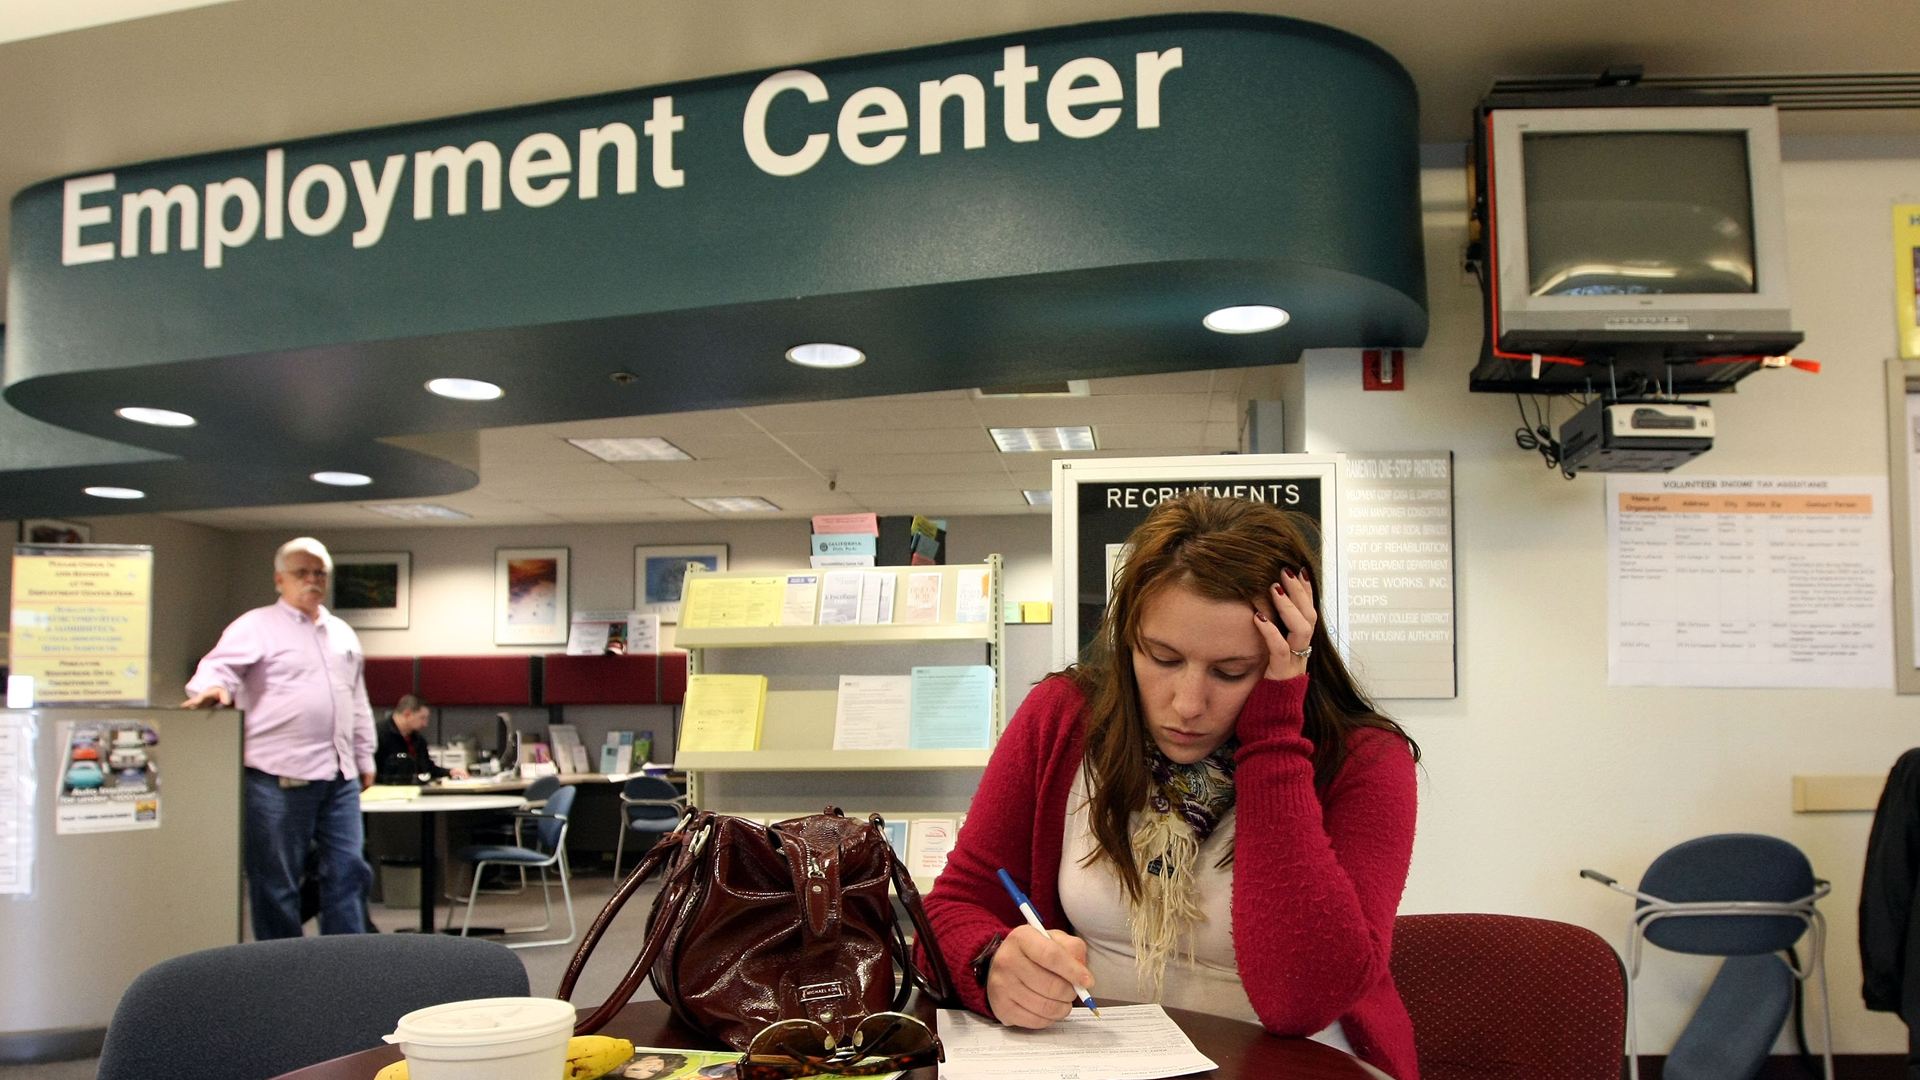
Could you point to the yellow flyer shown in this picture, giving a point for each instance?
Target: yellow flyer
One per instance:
(81, 621)
(1906, 275)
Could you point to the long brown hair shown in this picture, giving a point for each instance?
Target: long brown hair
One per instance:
(1221, 549)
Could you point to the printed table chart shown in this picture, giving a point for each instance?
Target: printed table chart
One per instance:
(1748, 582)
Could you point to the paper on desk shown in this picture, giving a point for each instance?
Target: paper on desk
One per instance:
(1125, 1042)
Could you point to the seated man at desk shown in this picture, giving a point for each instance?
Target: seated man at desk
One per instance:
(401, 756)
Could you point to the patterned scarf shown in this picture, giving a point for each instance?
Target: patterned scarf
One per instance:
(1187, 804)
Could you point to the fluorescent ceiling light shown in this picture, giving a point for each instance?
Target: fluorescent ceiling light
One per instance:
(156, 417)
(1068, 388)
(1246, 319)
(465, 389)
(734, 504)
(822, 354)
(647, 449)
(1039, 498)
(416, 511)
(342, 479)
(116, 493)
(1015, 440)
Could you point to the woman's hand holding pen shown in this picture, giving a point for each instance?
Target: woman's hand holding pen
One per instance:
(1030, 983)
(1289, 642)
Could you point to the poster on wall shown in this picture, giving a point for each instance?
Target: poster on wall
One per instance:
(1748, 581)
(17, 784)
(1098, 503)
(81, 622)
(530, 596)
(1906, 277)
(1396, 526)
(659, 574)
(371, 589)
(109, 777)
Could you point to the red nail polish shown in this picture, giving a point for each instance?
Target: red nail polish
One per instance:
(1261, 615)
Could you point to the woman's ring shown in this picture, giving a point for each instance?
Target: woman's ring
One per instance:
(1302, 653)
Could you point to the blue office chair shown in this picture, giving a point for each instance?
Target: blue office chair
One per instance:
(1745, 897)
(241, 1012)
(550, 851)
(653, 805)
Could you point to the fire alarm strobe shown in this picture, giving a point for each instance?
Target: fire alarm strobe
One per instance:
(1635, 436)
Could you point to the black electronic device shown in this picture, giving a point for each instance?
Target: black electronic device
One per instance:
(1635, 436)
(1629, 239)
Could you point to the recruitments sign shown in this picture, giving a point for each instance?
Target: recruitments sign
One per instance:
(81, 622)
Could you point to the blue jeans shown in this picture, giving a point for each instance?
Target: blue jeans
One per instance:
(281, 824)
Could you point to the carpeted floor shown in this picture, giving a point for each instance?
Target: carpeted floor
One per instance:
(545, 965)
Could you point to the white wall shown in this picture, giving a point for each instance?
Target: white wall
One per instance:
(1538, 768)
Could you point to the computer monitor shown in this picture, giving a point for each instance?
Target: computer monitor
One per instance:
(1646, 230)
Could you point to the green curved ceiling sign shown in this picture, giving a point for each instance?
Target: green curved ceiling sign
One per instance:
(1050, 205)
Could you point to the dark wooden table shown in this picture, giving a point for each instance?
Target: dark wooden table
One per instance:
(1245, 1051)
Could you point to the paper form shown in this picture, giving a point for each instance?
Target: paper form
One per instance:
(840, 598)
(723, 712)
(718, 602)
(923, 598)
(972, 602)
(1752, 582)
(929, 842)
(16, 804)
(1125, 1042)
(847, 523)
(873, 712)
(952, 707)
(801, 597)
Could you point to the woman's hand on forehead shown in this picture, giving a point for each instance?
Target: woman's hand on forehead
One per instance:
(1289, 638)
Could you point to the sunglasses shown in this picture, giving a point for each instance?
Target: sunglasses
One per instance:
(882, 1043)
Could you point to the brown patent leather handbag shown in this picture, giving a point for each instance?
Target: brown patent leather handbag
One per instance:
(757, 923)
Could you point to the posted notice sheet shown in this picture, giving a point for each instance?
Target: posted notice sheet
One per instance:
(1125, 1042)
(16, 803)
(1748, 582)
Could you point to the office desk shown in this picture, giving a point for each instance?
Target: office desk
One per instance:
(429, 809)
(1244, 1051)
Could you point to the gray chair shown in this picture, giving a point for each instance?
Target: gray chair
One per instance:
(1748, 898)
(243, 1012)
(652, 805)
(550, 852)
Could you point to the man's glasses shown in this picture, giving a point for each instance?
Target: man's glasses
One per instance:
(318, 574)
(882, 1043)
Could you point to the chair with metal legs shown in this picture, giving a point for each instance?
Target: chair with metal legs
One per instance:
(651, 805)
(1745, 897)
(550, 851)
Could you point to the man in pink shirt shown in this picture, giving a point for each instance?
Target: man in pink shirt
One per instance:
(295, 669)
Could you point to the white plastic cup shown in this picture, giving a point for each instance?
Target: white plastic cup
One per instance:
(508, 1038)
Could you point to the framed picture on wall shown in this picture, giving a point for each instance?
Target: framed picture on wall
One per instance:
(370, 589)
(49, 531)
(659, 571)
(530, 596)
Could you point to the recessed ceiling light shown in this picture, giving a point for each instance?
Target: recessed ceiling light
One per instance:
(465, 389)
(734, 504)
(156, 417)
(116, 493)
(1245, 319)
(416, 511)
(1039, 498)
(1014, 440)
(343, 479)
(822, 354)
(647, 449)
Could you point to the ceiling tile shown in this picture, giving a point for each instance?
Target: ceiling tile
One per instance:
(850, 448)
(782, 465)
(664, 425)
(1148, 436)
(904, 413)
(1173, 382)
(882, 483)
(1118, 408)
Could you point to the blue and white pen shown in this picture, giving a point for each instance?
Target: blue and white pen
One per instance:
(1033, 919)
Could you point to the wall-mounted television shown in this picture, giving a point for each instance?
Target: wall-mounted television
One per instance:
(1645, 237)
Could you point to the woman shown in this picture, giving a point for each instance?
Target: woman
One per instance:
(1208, 802)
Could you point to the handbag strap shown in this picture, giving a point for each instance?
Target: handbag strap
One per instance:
(688, 841)
(939, 983)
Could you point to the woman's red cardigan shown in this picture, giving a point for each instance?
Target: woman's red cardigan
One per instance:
(1317, 874)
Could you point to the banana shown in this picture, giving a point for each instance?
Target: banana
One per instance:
(591, 1056)
(588, 1057)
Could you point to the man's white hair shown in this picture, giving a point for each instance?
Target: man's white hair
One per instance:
(302, 543)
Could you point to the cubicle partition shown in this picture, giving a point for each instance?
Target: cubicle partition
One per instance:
(131, 823)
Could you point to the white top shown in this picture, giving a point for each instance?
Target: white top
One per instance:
(1095, 903)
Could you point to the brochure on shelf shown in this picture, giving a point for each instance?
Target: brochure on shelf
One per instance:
(844, 543)
(839, 562)
(974, 600)
(723, 712)
(929, 842)
(713, 601)
(952, 708)
(873, 712)
(840, 597)
(923, 598)
(801, 598)
(876, 597)
(847, 523)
